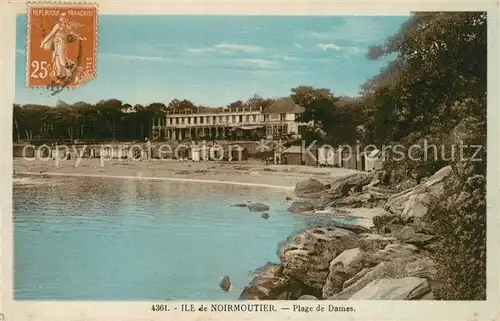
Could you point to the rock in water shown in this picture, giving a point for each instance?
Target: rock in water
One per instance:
(239, 205)
(301, 207)
(258, 207)
(265, 215)
(225, 284)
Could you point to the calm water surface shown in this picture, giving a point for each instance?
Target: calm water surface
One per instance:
(119, 239)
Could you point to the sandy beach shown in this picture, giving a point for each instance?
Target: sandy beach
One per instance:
(250, 173)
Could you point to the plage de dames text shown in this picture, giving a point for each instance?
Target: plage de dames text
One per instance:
(251, 307)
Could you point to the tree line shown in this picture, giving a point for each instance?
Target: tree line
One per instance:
(109, 119)
(112, 119)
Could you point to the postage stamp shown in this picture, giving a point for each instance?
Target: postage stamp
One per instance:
(242, 162)
(61, 46)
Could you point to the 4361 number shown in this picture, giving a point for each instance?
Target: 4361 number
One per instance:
(159, 307)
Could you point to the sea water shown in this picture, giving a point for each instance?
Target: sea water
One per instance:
(128, 239)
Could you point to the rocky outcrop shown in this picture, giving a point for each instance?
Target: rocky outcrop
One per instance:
(258, 207)
(409, 288)
(301, 207)
(354, 200)
(271, 284)
(408, 235)
(344, 186)
(395, 261)
(413, 203)
(350, 262)
(309, 186)
(340, 261)
(342, 268)
(307, 256)
(375, 242)
(416, 206)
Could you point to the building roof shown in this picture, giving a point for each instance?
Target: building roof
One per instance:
(283, 105)
(293, 150)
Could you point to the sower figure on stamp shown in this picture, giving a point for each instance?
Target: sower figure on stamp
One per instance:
(61, 35)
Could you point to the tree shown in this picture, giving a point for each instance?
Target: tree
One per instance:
(236, 104)
(306, 95)
(435, 90)
(177, 105)
(257, 101)
(339, 118)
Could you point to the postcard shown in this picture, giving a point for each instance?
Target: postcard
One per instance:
(246, 160)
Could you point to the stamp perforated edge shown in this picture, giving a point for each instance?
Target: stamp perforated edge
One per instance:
(30, 4)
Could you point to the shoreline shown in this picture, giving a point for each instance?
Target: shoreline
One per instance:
(245, 173)
(191, 180)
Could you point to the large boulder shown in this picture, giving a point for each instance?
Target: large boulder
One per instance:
(414, 202)
(408, 235)
(343, 186)
(342, 268)
(409, 288)
(397, 261)
(416, 206)
(309, 186)
(352, 261)
(391, 269)
(307, 255)
(301, 207)
(258, 207)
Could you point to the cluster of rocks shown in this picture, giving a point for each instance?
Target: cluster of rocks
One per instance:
(255, 207)
(390, 261)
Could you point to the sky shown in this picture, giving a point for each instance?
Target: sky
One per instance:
(215, 60)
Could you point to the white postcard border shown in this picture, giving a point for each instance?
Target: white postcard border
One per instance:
(365, 310)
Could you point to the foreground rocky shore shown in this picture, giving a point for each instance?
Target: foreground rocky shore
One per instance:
(392, 260)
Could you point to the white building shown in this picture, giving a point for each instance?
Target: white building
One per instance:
(277, 120)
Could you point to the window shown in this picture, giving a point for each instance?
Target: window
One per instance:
(241, 118)
(201, 120)
(247, 118)
(227, 119)
(234, 119)
(177, 121)
(213, 119)
(220, 119)
(254, 118)
(282, 117)
(195, 120)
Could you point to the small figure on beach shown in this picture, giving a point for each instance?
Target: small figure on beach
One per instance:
(265, 216)
(225, 284)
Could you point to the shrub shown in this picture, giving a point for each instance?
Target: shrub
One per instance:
(459, 219)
